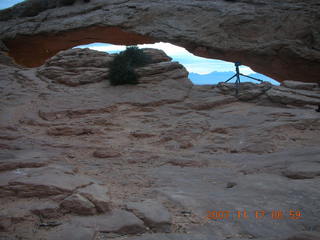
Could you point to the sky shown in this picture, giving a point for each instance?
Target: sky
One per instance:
(8, 3)
(191, 62)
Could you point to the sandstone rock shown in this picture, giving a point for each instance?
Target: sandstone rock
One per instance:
(212, 102)
(23, 159)
(167, 82)
(175, 236)
(70, 232)
(7, 166)
(10, 162)
(156, 55)
(78, 204)
(108, 153)
(40, 182)
(293, 96)
(47, 210)
(98, 195)
(76, 66)
(302, 170)
(9, 136)
(69, 131)
(6, 60)
(305, 236)
(118, 221)
(247, 91)
(299, 85)
(79, 58)
(286, 47)
(3, 47)
(174, 70)
(140, 134)
(154, 215)
(5, 224)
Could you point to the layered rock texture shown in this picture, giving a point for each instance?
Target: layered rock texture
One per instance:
(81, 159)
(276, 38)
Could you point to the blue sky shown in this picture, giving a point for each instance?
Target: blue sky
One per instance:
(8, 3)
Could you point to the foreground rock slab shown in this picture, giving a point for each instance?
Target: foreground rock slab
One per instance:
(154, 215)
(118, 221)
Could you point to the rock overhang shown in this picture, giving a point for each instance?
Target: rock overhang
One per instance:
(278, 39)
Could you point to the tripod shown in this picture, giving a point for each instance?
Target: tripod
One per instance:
(237, 76)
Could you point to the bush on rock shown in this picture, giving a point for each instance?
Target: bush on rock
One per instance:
(122, 67)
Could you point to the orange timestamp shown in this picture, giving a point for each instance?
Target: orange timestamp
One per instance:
(258, 214)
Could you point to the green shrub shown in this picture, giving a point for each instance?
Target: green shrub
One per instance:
(135, 56)
(122, 67)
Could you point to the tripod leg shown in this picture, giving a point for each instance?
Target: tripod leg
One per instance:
(230, 78)
(237, 84)
(251, 77)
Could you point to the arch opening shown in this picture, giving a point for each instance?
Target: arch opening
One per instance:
(201, 70)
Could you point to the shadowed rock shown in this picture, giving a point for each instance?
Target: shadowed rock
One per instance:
(78, 204)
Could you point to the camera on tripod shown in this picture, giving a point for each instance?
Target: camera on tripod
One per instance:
(237, 64)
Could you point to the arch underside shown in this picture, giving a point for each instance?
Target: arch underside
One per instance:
(33, 51)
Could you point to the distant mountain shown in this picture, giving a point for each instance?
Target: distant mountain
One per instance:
(216, 77)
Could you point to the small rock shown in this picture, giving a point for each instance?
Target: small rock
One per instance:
(299, 85)
(106, 154)
(139, 134)
(69, 131)
(154, 214)
(50, 224)
(78, 204)
(231, 184)
(98, 195)
(302, 170)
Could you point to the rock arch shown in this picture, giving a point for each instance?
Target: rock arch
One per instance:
(32, 51)
(277, 38)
